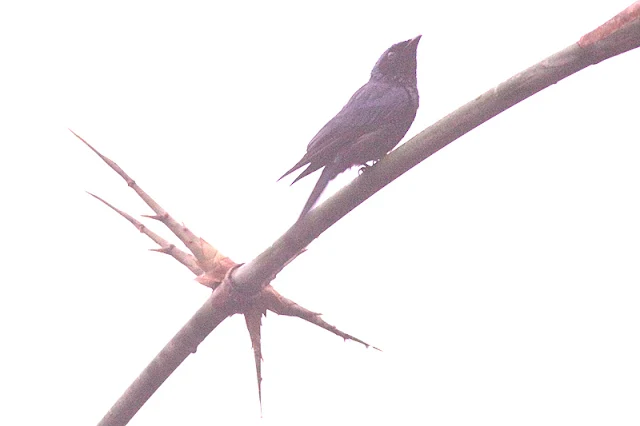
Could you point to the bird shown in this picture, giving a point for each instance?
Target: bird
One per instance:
(372, 123)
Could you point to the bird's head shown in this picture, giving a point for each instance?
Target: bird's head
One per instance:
(398, 63)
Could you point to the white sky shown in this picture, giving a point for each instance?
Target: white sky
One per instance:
(500, 277)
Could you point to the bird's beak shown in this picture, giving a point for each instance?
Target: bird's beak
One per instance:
(413, 43)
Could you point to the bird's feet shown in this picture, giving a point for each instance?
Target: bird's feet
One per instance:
(366, 166)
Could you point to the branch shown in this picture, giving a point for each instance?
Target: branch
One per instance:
(200, 248)
(215, 269)
(275, 302)
(617, 36)
(166, 247)
(183, 344)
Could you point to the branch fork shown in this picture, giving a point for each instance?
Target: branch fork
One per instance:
(214, 270)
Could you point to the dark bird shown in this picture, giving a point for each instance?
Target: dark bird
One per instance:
(370, 125)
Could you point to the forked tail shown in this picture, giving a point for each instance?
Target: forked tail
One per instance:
(327, 174)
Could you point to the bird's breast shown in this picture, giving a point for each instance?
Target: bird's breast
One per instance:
(414, 98)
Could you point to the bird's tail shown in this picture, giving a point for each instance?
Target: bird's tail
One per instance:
(327, 174)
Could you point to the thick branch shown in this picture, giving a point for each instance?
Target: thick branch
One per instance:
(505, 95)
(250, 278)
(183, 344)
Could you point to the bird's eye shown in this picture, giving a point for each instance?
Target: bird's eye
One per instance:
(391, 55)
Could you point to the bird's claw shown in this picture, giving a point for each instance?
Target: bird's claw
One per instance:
(365, 167)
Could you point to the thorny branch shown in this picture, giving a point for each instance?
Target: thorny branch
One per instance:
(183, 257)
(245, 288)
(211, 268)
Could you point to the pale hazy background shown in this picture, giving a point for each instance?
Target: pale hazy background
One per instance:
(500, 276)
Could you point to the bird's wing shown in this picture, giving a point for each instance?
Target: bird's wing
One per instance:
(372, 106)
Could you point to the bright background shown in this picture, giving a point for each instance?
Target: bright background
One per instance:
(500, 277)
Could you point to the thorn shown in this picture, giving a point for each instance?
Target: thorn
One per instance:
(85, 142)
(155, 216)
(164, 250)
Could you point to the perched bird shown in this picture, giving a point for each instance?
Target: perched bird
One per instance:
(370, 125)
